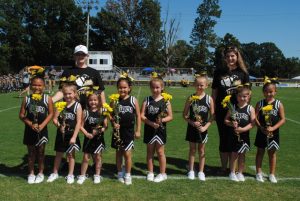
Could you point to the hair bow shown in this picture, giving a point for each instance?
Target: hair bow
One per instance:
(270, 80)
(36, 71)
(201, 74)
(89, 90)
(244, 85)
(126, 76)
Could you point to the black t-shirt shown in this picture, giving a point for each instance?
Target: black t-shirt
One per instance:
(84, 75)
(226, 81)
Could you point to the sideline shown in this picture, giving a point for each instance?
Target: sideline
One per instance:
(294, 121)
(253, 167)
(9, 108)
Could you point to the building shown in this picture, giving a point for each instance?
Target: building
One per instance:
(101, 60)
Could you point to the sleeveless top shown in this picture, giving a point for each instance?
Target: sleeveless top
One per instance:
(70, 117)
(91, 120)
(201, 107)
(243, 115)
(127, 112)
(274, 114)
(41, 107)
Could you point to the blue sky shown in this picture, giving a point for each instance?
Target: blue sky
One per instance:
(259, 21)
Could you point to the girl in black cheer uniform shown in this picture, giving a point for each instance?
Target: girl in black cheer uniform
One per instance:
(155, 134)
(36, 112)
(94, 123)
(198, 112)
(268, 124)
(241, 120)
(68, 123)
(127, 123)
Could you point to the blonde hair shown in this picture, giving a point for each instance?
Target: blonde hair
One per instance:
(240, 61)
(200, 76)
(72, 87)
(156, 79)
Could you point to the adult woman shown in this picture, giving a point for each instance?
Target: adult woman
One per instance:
(85, 76)
(225, 81)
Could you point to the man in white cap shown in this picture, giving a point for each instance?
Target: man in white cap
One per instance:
(86, 76)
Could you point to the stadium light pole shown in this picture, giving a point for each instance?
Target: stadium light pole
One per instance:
(88, 5)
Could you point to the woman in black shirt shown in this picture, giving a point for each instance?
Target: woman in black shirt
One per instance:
(225, 81)
(84, 74)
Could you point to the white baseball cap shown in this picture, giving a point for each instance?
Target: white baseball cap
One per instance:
(81, 48)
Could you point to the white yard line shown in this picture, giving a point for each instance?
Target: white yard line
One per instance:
(253, 167)
(9, 108)
(294, 121)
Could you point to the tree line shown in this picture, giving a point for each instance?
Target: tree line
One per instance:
(45, 33)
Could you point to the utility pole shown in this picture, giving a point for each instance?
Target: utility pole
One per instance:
(88, 6)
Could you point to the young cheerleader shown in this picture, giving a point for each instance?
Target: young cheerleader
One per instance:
(126, 113)
(155, 135)
(240, 120)
(68, 123)
(198, 112)
(36, 112)
(269, 118)
(94, 123)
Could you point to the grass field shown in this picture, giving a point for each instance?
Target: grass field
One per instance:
(13, 168)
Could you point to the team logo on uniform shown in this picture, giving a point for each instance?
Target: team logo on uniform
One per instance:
(241, 116)
(125, 109)
(152, 109)
(93, 120)
(39, 109)
(70, 116)
(200, 108)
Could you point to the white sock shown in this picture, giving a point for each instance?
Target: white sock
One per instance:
(127, 174)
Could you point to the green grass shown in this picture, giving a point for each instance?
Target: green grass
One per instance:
(13, 161)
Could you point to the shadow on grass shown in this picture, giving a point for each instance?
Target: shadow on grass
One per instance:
(181, 168)
(175, 166)
(21, 170)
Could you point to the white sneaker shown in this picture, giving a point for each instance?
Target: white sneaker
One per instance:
(31, 179)
(81, 179)
(128, 180)
(259, 177)
(121, 177)
(272, 178)
(191, 175)
(160, 177)
(52, 177)
(232, 177)
(39, 178)
(150, 176)
(201, 176)
(70, 179)
(240, 176)
(97, 179)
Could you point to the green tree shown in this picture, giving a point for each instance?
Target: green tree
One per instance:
(182, 51)
(291, 67)
(203, 37)
(252, 57)
(13, 37)
(131, 29)
(39, 32)
(271, 60)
